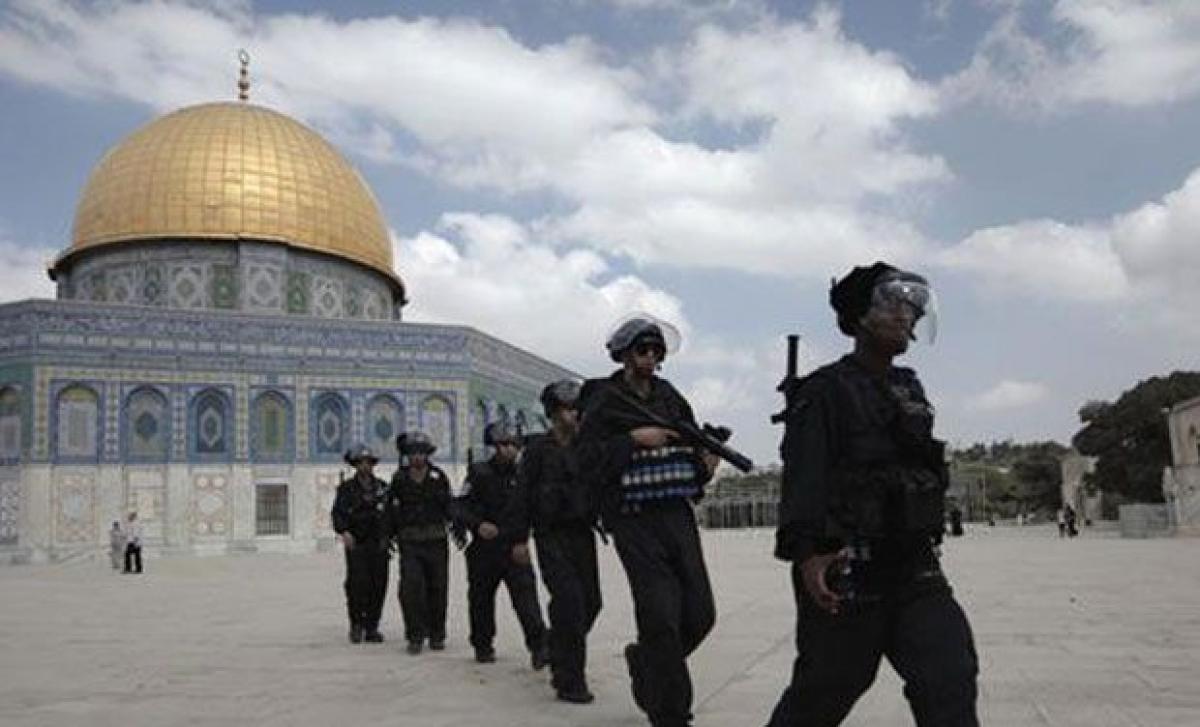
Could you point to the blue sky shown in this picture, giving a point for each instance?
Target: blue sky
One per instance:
(547, 166)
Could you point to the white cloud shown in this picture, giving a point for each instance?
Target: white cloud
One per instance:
(24, 271)
(1043, 258)
(1147, 259)
(1121, 52)
(1008, 395)
(471, 105)
(489, 272)
(482, 107)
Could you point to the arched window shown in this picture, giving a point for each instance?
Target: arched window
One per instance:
(330, 426)
(385, 419)
(211, 424)
(146, 425)
(77, 412)
(437, 420)
(271, 428)
(10, 424)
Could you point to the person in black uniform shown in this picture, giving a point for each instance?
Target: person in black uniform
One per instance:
(861, 518)
(553, 501)
(359, 519)
(485, 495)
(645, 480)
(418, 511)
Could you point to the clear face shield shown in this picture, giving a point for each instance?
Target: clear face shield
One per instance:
(906, 300)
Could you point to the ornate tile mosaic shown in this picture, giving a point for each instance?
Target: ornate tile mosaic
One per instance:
(211, 513)
(75, 509)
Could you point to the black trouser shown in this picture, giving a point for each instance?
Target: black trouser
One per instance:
(917, 625)
(423, 569)
(366, 583)
(672, 600)
(567, 556)
(489, 563)
(133, 558)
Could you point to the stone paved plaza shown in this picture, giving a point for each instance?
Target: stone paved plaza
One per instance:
(1092, 632)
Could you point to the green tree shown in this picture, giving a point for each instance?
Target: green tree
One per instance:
(1129, 436)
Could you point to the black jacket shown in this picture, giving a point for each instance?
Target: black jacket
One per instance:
(549, 493)
(419, 510)
(604, 445)
(486, 493)
(859, 462)
(360, 509)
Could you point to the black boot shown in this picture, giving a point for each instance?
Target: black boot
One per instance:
(539, 657)
(575, 695)
(485, 655)
(372, 635)
(356, 634)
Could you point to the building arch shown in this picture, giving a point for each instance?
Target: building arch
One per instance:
(384, 420)
(271, 428)
(10, 425)
(329, 428)
(77, 423)
(210, 424)
(146, 425)
(437, 420)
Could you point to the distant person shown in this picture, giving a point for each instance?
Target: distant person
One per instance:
(956, 521)
(1070, 518)
(419, 510)
(1061, 519)
(116, 545)
(133, 544)
(861, 517)
(1020, 519)
(359, 518)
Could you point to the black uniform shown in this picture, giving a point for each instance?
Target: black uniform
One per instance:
(861, 469)
(645, 499)
(418, 513)
(553, 501)
(359, 509)
(486, 493)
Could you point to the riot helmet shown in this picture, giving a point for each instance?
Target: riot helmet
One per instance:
(881, 289)
(642, 329)
(564, 392)
(359, 453)
(415, 443)
(498, 433)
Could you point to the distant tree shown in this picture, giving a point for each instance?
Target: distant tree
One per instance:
(1129, 436)
(1039, 475)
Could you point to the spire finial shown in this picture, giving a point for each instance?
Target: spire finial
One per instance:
(244, 76)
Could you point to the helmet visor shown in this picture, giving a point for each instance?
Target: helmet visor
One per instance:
(909, 294)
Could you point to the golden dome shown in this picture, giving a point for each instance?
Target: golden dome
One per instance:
(228, 171)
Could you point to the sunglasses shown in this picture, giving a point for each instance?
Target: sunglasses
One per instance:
(642, 349)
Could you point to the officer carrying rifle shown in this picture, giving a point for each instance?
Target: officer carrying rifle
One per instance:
(637, 446)
(861, 519)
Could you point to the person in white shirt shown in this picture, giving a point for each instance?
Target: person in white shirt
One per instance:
(133, 544)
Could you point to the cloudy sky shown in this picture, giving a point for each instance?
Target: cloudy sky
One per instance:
(549, 165)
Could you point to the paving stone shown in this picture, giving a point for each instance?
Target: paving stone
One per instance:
(1094, 631)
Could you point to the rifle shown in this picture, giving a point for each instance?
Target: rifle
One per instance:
(707, 437)
(789, 379)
